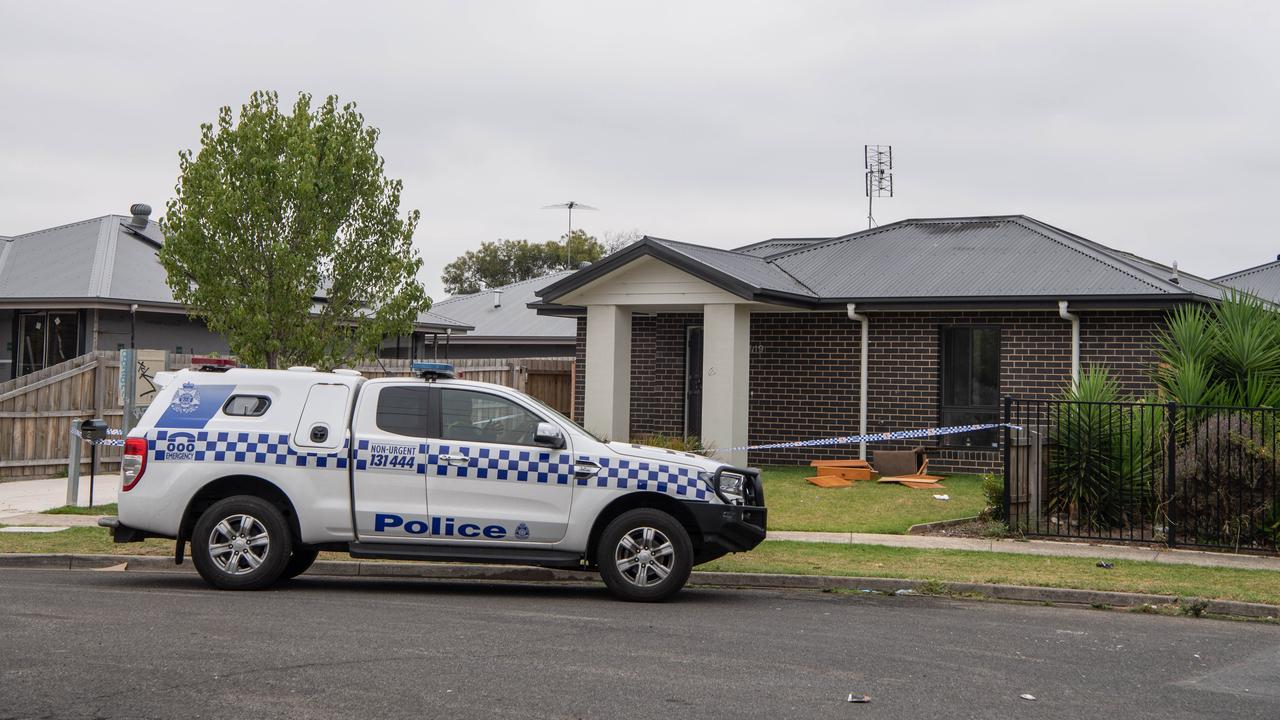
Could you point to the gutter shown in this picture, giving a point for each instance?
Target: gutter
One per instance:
(1075, 342)
(851, 309)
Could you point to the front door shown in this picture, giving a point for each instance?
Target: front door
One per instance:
(693, 381)
(486, 478)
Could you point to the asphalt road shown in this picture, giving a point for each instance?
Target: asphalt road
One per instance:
(97, 644)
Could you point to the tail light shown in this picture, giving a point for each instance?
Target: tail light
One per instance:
(133, 463)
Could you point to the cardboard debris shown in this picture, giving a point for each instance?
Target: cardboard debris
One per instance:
(848, 473)
(918, 481)
(830, 481)
(840, 463)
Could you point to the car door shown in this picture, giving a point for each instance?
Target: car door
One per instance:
(487, 479)
(389, 489)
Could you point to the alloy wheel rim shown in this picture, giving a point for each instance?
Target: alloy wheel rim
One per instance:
(645, 556)
(239, 544)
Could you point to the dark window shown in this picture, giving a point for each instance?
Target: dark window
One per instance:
(481, 417)
(971, 384)
(404, 410)
(246, 405)
(46, 338)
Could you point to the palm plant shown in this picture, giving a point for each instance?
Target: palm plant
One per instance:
(1229, 355)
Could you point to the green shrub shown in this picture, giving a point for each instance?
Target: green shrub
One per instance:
(993, 489)
(679, 443)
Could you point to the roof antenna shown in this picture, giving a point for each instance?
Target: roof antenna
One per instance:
(878, 161)
(568, 242)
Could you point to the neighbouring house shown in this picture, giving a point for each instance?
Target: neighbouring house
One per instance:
(766, 343)
(90, 285)
(505, 326)
(1263, 280)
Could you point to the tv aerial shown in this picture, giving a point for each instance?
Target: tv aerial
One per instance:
(878, 161)
(568, 243)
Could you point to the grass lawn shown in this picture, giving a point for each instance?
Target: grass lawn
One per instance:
(108, 509)
(1004, 568)
(848, 560)
(867, 507)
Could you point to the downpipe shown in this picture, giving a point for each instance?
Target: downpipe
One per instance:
(851, 309)
(1075, 342)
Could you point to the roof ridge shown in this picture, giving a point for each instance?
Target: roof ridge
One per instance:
(451, 298)
(64, 226)
(1100, 249)
(1247, 271)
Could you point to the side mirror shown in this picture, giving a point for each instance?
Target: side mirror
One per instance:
(548, 435)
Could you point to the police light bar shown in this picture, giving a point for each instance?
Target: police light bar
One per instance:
(432, 370)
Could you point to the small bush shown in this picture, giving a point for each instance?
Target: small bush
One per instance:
(993, 489)
(1194, 607)
(1227, 480)
(686, 443)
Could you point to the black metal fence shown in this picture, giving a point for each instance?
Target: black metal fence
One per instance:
(1185, 475)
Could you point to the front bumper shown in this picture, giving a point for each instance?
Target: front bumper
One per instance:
(726, 528)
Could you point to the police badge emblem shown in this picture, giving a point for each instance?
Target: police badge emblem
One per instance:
(522, 532)
(187, 399)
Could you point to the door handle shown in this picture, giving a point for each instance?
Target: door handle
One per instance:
(584, 469)
(459, 460)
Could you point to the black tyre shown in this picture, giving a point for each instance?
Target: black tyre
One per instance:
(644, 555)
(241, 543)
(299, 562)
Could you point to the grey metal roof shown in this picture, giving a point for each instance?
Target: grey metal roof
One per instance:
(1263, 280)
(513, 319)
(103, 260)
(941, 260)
(776, 246)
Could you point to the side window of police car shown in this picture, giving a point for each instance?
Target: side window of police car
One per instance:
(467, 415)
(404, 410)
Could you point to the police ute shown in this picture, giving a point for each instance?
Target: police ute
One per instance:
(260, 470)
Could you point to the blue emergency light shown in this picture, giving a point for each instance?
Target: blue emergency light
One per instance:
(432, 370)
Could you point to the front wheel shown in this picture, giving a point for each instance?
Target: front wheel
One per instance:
(241, 543)
(644, 555)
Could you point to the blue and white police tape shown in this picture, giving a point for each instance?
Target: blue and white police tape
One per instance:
(112, 442)
(878, 437)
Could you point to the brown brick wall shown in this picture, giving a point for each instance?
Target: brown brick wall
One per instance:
(580, 371)
(658, 372)
(804, 373)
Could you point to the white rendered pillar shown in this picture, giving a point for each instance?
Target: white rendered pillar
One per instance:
(607, 406)
(726, 334)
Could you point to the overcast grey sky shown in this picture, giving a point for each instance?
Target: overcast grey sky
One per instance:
(1148, 126)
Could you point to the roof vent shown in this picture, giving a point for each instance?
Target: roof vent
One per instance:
(1174, 279)
(140, 213)
(497, 298)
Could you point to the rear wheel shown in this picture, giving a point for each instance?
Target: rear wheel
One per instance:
(299, 562)
(241, 543)
(644, 555)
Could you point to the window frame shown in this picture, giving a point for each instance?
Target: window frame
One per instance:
(943, 440)
(439, 413)
(431, 427)
(258, 396)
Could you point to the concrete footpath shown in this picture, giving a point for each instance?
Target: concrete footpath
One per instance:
(21, 502)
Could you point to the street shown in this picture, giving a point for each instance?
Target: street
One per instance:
(160, 645)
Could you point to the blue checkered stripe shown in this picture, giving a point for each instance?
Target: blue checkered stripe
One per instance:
(244, 447)
(540, 467)
(623, 474)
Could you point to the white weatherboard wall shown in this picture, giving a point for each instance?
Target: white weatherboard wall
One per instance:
(726, 331)
(607, 407)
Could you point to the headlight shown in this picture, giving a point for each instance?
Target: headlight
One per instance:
(731, 486)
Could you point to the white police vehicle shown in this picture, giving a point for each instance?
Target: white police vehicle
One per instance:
(262, 469)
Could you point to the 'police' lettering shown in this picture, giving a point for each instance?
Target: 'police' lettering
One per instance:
(439, 527)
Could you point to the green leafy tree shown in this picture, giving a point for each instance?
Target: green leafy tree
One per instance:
(286, 238)
(507, 261)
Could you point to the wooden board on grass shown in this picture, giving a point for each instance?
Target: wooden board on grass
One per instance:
(840, 463)
(829, 481)
(848, 473)
(917, 481)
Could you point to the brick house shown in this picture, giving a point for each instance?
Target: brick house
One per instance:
(765, 343)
